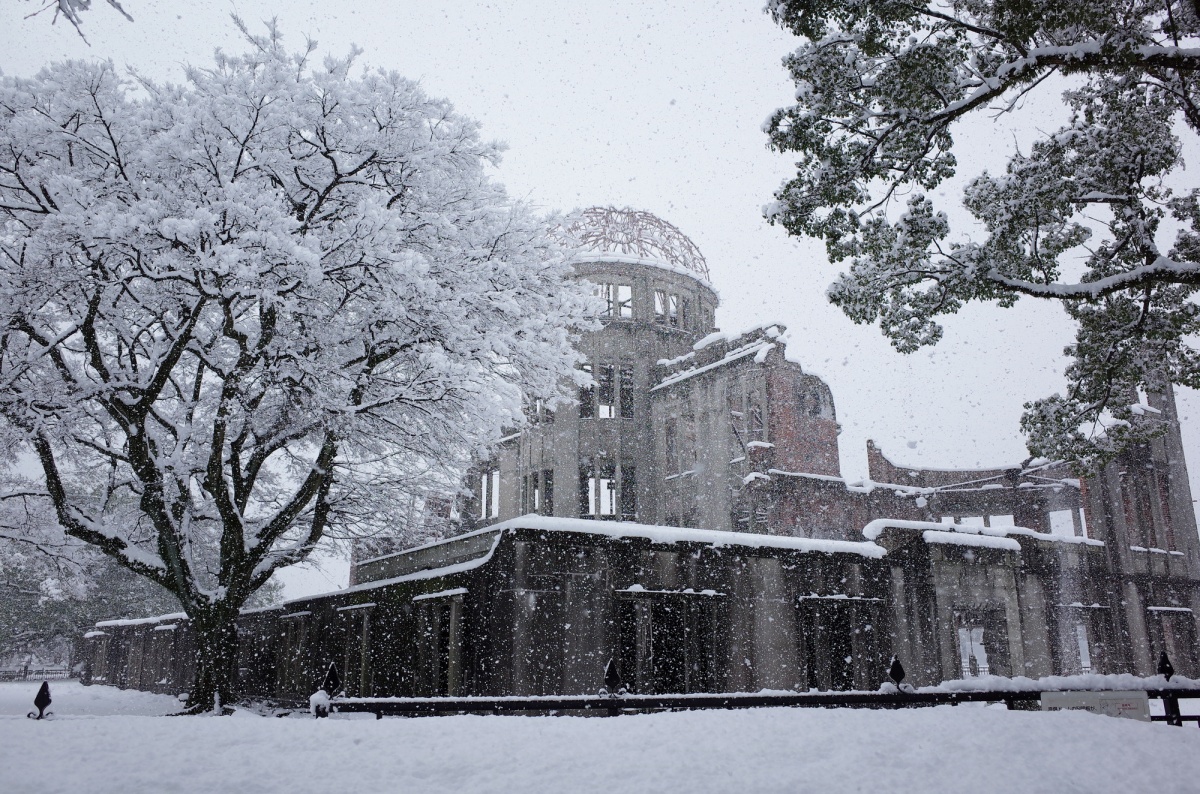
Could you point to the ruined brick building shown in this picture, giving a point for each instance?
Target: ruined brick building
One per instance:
(687, 518)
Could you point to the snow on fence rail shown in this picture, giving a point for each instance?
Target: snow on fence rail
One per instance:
(1014, 693)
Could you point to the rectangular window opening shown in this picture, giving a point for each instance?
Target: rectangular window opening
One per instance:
(533, 502)
(587, 490)
(626, 392)
(494, 504)
(628, 493)
(971, 652)
(587, 396)
(547, 492)
(607, 491)
(489, 494)
(601, 291)
(606, 391)
(624, 306)
(757, 428)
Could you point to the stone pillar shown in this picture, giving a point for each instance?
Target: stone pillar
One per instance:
(902, 637)
(454, 652)
(774, 628)
(1139, 638)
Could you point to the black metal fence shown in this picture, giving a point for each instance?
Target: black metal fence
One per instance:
(633, 704)
(35, 673)
(897, 696)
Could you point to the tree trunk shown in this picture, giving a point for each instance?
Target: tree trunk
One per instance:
(215, 686)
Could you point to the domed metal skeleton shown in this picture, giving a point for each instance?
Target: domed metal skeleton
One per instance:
(629, 232)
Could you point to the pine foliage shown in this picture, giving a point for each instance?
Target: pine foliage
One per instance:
(1081, 217)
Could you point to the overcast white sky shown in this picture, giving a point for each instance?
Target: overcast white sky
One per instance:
(656, 106)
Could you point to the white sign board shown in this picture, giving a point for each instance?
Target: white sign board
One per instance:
(1133, 705)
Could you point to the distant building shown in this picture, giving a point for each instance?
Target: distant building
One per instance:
(738, 558)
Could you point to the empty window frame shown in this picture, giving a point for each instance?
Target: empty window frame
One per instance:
(626, 392)
(605, 492)
(624, 305)
(666, 307)
(971, 652)
(982, 639)
(628, 493)
(587, 489)
(531, 494)
(587, 396)
(618, 300)
(489, 493)
(606, 391)
(757, 429)
(671, 442)
(547, 507)
(538, 492)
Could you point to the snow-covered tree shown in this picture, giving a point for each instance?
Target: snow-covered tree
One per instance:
(53, 587)
(243, 312)
(1080, 217)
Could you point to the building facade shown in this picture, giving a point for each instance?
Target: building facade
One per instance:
(687, 518)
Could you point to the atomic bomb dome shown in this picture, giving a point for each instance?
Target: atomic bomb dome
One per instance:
(630, 233)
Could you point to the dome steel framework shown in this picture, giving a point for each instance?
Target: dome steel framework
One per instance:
(630, 232)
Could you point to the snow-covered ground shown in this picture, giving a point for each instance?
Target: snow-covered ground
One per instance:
(105, 740)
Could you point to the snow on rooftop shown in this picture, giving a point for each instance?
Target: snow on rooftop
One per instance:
(717, 538)
(875, 528)
(647, 262)
(771, 331)
(960, 539)
(416, 576)
(142, 621)
(670, 362)
(730, 357)
(1033, 465)
(864, 485)
(867, 485)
